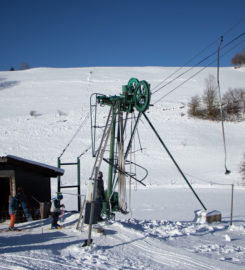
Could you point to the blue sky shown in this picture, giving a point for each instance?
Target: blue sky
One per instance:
(85, 33)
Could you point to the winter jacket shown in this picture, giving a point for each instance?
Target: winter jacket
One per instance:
(100, 189)
(13, 205)
(55, 205)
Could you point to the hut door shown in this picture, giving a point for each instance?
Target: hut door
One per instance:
(11, 177)
(4, 195)
(7, 187)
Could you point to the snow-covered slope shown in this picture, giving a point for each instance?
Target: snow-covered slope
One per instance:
(41, 110)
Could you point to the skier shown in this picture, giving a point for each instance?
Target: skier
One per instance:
(13, 206)
(55, 210)
(14, 202)
(23, 201)
(100, 196)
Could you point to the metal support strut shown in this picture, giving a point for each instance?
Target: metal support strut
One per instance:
(175, 163)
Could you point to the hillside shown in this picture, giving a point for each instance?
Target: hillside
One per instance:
(41, 110)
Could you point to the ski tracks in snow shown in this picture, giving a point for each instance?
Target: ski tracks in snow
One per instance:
(17, 262)
(158, 253)
(120, 248)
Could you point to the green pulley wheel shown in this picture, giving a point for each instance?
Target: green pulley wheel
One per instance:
(142, 96)
(132, 84)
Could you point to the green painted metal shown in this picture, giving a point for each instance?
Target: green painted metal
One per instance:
(78, 186)
(58, 178)
(136, 94)
(111, 157)
(142, 96)
(132, 84)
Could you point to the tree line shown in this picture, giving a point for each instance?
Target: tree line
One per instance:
(208, 105)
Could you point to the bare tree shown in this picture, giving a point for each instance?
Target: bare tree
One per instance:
(231, 102)
(210, 97)
(241, 93)
(194, 106)
(242, 168)
(234, 101)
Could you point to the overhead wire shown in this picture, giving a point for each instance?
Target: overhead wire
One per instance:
(189, 61)
(229, 30)
(210, 63)
(199, 53)
(180, 75)
(201, 61)
(221, 110)
(75, 134)
(206, 181)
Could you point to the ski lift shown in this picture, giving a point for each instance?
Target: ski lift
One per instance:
(135, 97)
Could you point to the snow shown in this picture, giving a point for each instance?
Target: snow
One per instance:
(52, 168)
(165, 228)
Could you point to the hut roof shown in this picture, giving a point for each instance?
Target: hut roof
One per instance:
(45, 169)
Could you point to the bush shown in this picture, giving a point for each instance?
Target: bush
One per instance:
(231, 101)
(234, 103)
(194, 106)
(34, 113)
(242, 168)
(239, 59)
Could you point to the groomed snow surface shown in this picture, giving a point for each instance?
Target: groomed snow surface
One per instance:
(134, 243)
(40, 111)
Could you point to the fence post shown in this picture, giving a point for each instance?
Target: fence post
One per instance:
(232, 191)
(58, 177)
(78, 185)
(92, 207)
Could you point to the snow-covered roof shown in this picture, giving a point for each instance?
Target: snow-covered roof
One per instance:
(34, 165)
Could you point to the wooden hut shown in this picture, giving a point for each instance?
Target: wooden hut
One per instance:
(33, 177)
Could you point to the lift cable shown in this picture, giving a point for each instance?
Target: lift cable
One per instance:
(204, 59)
(183, 73)
(75, 134)
(138, 135)
(206, 181)
(98, 137)
(199, 53)
(202, 68)
(221, 110)
(189, 61)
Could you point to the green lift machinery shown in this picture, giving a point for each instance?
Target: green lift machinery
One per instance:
(135, 97)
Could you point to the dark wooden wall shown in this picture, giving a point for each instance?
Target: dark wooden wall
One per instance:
(35, 185)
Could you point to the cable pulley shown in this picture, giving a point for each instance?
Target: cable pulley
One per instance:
(142, 96)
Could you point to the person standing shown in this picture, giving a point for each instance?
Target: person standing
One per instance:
(55, 210)
(23, 201)
(13, 206)
(100, 196)
(14, 202)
